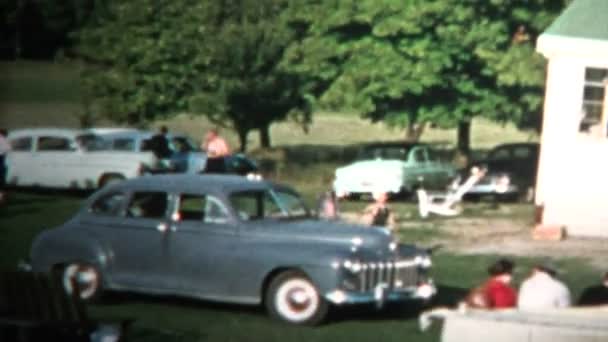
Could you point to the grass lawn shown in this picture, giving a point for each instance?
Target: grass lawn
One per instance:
(164, 318)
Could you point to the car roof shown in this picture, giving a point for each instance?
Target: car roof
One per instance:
(520, 144)
(111, 130)
(189, 183)
(393, 144)
(134, 133)
(66, 132)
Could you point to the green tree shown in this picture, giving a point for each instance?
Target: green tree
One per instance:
(414, 62)
(243, 82)
(152, 59)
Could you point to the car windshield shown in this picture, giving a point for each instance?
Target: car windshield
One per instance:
(264, 204)
(384, 152)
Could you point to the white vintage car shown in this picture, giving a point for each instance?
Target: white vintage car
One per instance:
(68, 158)
(393, 168)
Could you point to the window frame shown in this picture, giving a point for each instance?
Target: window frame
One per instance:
(132, 197)
(13, 142)
(206, 199)
(121, 212)
(70, 144)
(589, 118)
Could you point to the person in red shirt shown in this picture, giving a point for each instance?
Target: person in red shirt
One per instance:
(496, 292)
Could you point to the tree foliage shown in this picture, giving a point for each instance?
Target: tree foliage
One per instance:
(417, 61)
(154, 58)
(248, 63)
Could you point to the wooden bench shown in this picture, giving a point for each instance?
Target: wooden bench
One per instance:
(36, 307)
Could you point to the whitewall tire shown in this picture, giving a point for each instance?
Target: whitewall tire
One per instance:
(86, 277)
(293, 298)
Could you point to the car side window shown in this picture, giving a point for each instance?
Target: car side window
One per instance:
(500, 154)
(123, 144)
(108, 205)
(418, 155)
(255, 205)
(521, 153)
(432, 155)
(22, 144)
(54, 144)
(215, 211)
(202, 208)
(148, 205)
(247, 205)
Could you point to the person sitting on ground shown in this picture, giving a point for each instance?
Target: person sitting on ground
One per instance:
(597, 294)
(215, 145)
(379, 213)
(541, 290)
(496, 292)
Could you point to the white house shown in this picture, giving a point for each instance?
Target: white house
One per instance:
(572, 182)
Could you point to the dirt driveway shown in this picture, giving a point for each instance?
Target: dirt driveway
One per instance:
(503, 230)
(512, 236)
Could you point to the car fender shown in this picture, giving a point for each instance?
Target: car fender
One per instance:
(319, 266)
(48, 251)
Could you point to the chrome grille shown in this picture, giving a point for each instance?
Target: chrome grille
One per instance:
(395, 274)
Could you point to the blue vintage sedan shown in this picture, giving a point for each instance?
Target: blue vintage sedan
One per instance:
(229, 239)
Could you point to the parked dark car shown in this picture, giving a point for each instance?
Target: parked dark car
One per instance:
(237, 164)
(230, 239)
(511, 172)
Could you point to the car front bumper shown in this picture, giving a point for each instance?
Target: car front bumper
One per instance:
(343, 188)
(382, 293)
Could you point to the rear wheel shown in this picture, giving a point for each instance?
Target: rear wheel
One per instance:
(293, 298)
(86, 278)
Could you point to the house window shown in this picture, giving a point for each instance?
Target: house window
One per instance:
(593, 100)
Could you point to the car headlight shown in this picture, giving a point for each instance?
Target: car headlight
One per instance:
(353, 266)
(423, 261)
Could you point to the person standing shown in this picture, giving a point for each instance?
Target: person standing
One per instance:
(542, 290)
(215, 145)
(496, 292)
(596, 295)
(5, 147)
(159, 144)
(327, 207)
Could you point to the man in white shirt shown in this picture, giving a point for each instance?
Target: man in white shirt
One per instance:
(542, 290)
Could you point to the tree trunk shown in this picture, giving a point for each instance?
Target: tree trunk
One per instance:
(464, 137)
(18, 27)
(265, 135)
(243, 139)
(414, 131)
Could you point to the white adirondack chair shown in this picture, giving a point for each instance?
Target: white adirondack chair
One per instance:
(443, 203)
